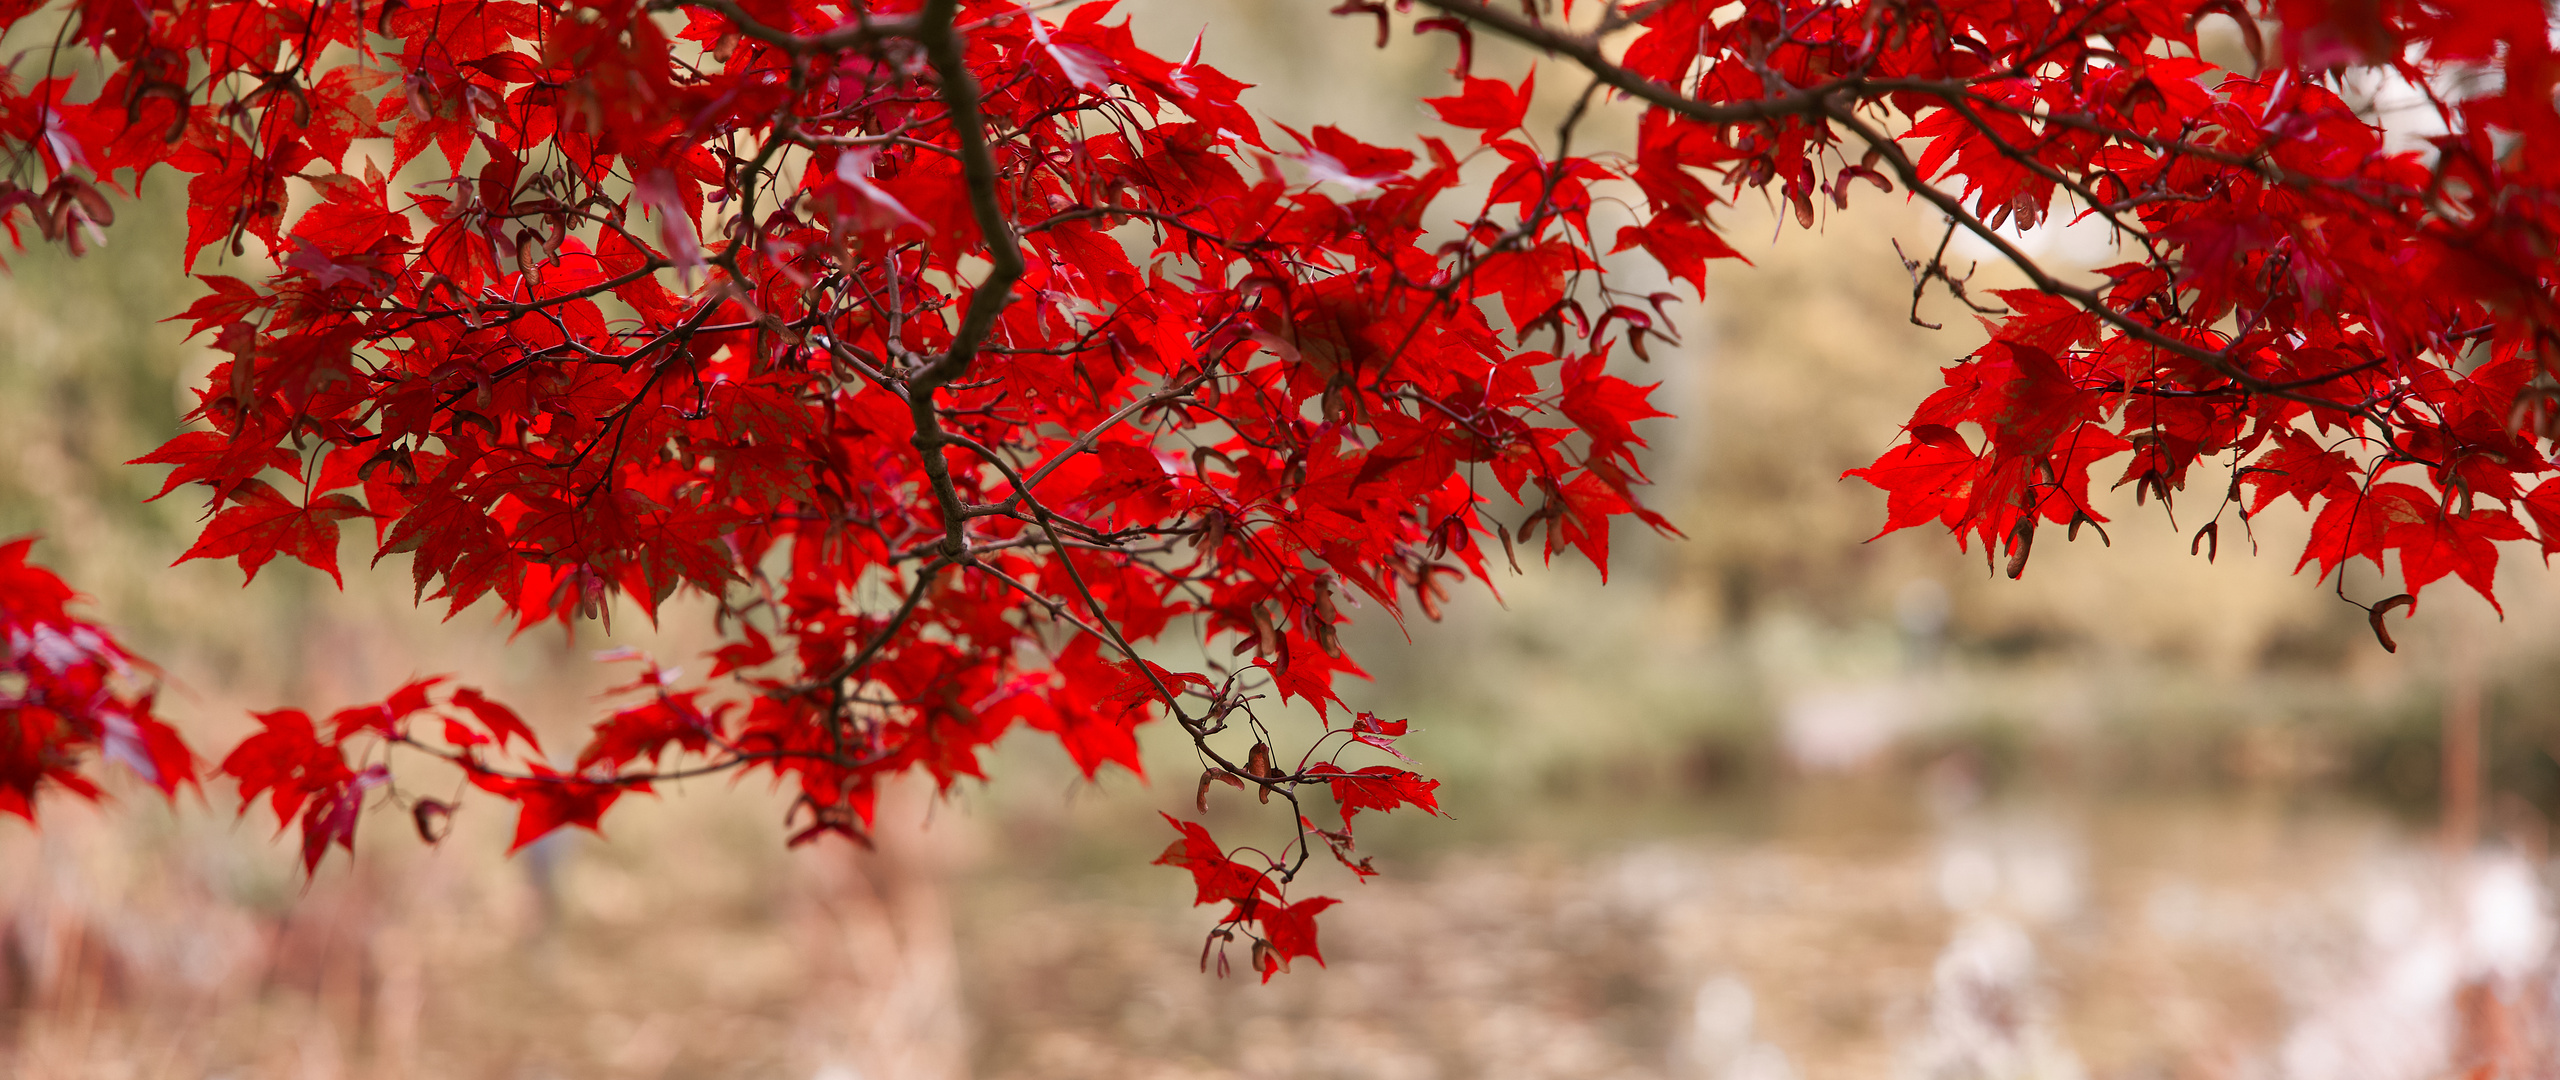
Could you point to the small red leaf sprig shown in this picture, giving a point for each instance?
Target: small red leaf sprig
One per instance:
(71, 696)
(319, 776)
(1254, 884)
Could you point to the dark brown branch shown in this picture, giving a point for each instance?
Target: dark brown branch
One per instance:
(944, 50)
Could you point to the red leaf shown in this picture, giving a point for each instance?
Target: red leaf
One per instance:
(241, 197)
(340, 111)
(1291, 930)
(1489, 105)
(502, 722)
(1606, 407)
(547, 800)
(70, 688)
(460, 735)
(287, 762)
(220, 461)
(645, 730)
(2043, 322)
(1529, 281)
(1680, 245)
(2437, 543)
(330, 818)
(232, 300)
(1378, 787)
(353, 216)
(262, 524)
(1216, 876)
(1924, 480)
(2299, 467)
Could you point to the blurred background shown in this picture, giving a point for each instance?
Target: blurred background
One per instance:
(1776, 802)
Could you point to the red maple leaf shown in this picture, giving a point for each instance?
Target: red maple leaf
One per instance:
(1927, 479)
(501, 722)
(1488, 105)
(547, 800)
(1291, 931)
(262, 524)
(1216, 876)
(287, 762)
(1378, 787)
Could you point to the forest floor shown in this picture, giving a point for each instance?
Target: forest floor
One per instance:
(1883, 926)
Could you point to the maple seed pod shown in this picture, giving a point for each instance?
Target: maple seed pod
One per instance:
(529, 254)
(1258, 765)
(1209, 776)
(1266, 637)
(417, 90)
(92, 204)
(58, 213)
(2025, 210)
(434, 818)
(2209, 538)
(2021, 542)
(1428, 591)
(2374, 615)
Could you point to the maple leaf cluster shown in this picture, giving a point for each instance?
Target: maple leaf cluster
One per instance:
(317, 775)
(2268, 323)
(68, 692)
(971, 358)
